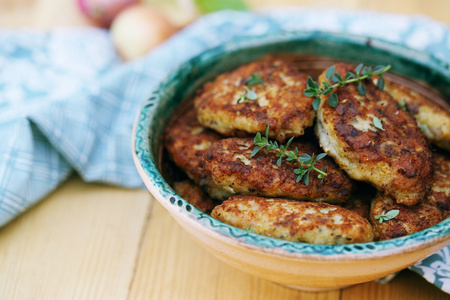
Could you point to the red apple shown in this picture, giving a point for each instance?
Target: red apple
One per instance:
(102, 12)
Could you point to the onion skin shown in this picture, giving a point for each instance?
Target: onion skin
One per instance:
(102, 12)
(139, 28)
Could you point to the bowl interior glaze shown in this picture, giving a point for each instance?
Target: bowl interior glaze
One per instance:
(157, 110)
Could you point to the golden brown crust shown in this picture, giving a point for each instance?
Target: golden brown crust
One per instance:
(194, 195)
(410, 219)
(298, 221)
(433, 209)
(232, 170)
(186, 141)
(440, 192)
(280, 105)
(396, 160)
(433, 119)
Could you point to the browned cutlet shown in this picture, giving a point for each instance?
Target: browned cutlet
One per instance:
(231, 170)
(432, 118)
(193, 194)
(280, 102)
(394, 157)
(440, 191)
(298, 221)
(186, 141)
(432, 210)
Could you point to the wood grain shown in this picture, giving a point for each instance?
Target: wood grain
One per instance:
(171, 265)
(79, 243)
(407, 285)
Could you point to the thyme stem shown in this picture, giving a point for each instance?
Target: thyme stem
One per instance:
(358, 79)
(361, 73)
(306, 162)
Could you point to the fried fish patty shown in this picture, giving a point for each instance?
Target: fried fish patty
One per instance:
(433, 119)
(432, 210)
(193, 194)
(298, 221)
(225, 104)
(186, 141)
(231, 170)
(394, 157)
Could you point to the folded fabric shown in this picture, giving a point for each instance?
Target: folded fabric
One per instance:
(68, 102)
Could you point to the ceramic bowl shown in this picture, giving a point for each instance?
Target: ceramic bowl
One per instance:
(300, 265)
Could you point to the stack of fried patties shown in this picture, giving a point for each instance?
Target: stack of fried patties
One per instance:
(260, 158)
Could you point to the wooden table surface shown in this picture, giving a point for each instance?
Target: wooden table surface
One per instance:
(92, 241)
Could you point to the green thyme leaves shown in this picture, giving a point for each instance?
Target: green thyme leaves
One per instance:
(402, 105)
(330, 72)
(242, 98)
(361, 72)
(424, 128)
(316, 103)
(380, 83)
(248, 94)
(333, 100)
(313, 90)
(361, 89)
(263, 142)
(306, 162)
(249, 229)
(254, 79)
(386, 216)
(377, 123)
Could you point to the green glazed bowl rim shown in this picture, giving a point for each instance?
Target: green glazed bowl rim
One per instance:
(145, 155)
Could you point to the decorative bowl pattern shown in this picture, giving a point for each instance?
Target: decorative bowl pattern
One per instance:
(307, 266)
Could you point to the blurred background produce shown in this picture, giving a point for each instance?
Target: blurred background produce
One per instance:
(138, 26)
(102, 12)
(163, 17)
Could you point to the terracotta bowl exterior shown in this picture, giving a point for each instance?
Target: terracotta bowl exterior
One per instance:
(300, 265)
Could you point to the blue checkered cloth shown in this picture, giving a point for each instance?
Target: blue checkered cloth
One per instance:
(68, 103)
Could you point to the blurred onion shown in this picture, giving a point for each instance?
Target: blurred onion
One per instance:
(139, 28)
(102, 12)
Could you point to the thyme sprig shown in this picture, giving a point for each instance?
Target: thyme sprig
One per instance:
(386, 216)
(248, 94)
(361, 72)
(306, 162)
(254, 79)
